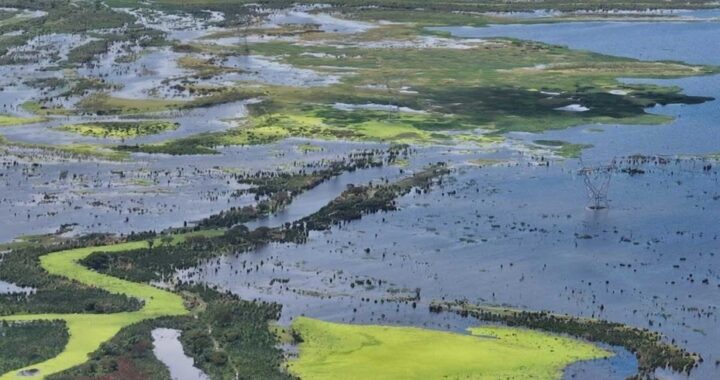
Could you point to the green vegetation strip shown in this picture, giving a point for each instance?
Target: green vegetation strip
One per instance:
(650, 348)
(383, 352)
(88, 331)
(11, 121)
(120, 129)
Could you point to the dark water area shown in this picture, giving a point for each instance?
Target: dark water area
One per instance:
(168, 349)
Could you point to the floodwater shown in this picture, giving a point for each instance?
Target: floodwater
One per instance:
(39, 192)
(516, 233)
(10, 288)
(520, 234)
(679, 41)
(168, 349)
(324, 22)
(695, 129)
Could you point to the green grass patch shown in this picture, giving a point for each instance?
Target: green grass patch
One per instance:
(88, 331)
(41, 110)
(383, 352)
(72, 150)
(652, 349)
(326, 123)
(563, 148)
(10, 121)
(310, 148)
(103, 104)
(121, 129)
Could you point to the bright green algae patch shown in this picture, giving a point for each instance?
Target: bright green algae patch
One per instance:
(383, 352)
(327, 123)
(88, 331)
(10, 121)
(120, 129)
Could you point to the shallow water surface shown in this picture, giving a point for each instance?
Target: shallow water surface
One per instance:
(681, 41)
(694, 130)
(517, 236)
(168, 349)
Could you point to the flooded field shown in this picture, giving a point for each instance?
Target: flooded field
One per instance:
(581, 177)
(490, 237)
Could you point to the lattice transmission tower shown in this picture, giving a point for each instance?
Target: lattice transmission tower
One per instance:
(597, 183)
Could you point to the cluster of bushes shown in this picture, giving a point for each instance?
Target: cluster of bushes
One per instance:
(22, 344)
(277, 190)
(247, 348)
(360, 200)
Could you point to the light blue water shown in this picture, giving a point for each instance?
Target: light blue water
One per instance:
(692, 42)
(695, 129)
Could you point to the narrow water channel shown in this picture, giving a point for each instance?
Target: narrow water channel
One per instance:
(168, 349)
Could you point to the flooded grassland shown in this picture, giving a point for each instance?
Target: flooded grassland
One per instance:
(213, 191)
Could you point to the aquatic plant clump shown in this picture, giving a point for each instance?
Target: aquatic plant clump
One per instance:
(9, 121)
(385, 352)
(121, 129)
(649, 347)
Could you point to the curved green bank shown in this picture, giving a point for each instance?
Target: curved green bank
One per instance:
(89, 331)
(328, 349)
(383, 352)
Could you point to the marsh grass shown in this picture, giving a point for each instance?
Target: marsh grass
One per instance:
(385, 352)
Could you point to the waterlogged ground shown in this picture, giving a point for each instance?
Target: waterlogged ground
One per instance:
(508, 227)
(520, 235)
(523, 239)
(45, 194)
(169, 350)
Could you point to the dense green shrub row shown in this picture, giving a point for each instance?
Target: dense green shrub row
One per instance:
(31, 342)
(651, 350)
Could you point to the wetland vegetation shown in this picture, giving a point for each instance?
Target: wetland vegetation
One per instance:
(88, 331)
(192, 148)
(368, 352)
(120, 130)
(650, 347)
